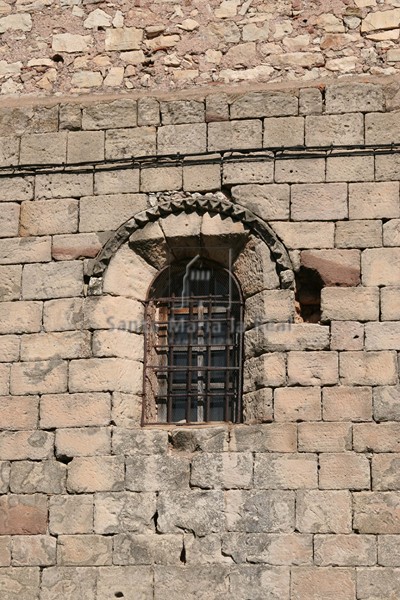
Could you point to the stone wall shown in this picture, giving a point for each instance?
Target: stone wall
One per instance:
(69, 46)
(302, 501)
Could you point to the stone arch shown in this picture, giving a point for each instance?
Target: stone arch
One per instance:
(125, 269)
(211, 204)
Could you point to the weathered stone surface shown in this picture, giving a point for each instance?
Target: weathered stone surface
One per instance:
(9, 219)
(352, 97)
(247, 171)
(64, 582)
(257, 406)
(68, 42)
(234, 135)
(347, 403)
(311, 582)
(84, 550)
(23, 515)
(324, 437)
(182, 139)
(382, 336)
(46, 346)
(176, 112)
(39, 377)
(23, 445)
(271, 437)
(349, 168)
(128, 275)
(305, 234)
(124, 38)
(307, 170)
(345, 550)
(271, 548)
(270, 202)
(259, 511)
(85, 146)
(146, 549)
(390, 307)
(124, 512)
(385, 472)
(20, 584)
(391, 233)
(71, 514)
(264, 104)
(85, 441)
(14, 189)
(105, 374)
(347, 304)
(33, 550)
(74, 410)
(333, 130)
(327, 202)
(226, 470)
(126, 411)
(387, 403)
(267, 582)
(148, 111)
(63, 185)
(376, 437)
(377, 582)
(10, 282)
(347, 335)
(43, 148)
(197, 511)
(374, 200)
(286, 131)
(380, 266)
(312, 368)
(155, 473)
(297, 404)
(286, 471)
(324, 511)
(96, 474)
(19, 412)
(161, 179)
(121, 344)
(255, 268)
(25, 250)
(76, 246)
(104, 213)
(368, 368)
(49, 216)
(358, 234)
(388, 550)
(5, 551)
(213, 439)
(9, 348)
(344, 471)
(108, 312)
(52, 280)
(111, 182)
(262, 371)
(202, 178)
(47, 477)
(377, 512)
(274, 337)
(126, 143)
(110, 115)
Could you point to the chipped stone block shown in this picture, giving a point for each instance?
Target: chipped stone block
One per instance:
(124, 512)
(255, 511)
(270, 437)
(382, 128)
(354, 97)
(345, 550)
(281, 337)
(147, 549)
(197, 511)
(176, 112)
(336, 267)
(312, 368)
(264, 371)
(257, 406)
(71, 247)
(391, 233)
(226, 471)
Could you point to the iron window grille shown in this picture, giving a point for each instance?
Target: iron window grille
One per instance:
(193, 346)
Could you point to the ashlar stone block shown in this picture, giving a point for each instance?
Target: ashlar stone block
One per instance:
(23, 514)
(18, 412)
(297, 404)
(270, 437)
(46, 477)
(128, 275)
(68, 583)
(26, 445)
(9, 219)
(235, 135)
(157, 473)
(182, 139)
(55, 280)
(198, 511)
(385, 472)
(324, 511)
(377, 512)
(350, 304)
(312, 582)
(368, 368)
(40, 377)
(25, 250)
(71, 514)
(270, 202)
(325, 202)
(95, 213)
(96, 474)
(266, 511)
(264, 371)
(287, 471)
(105, 374)
(20, 584)
(377, 583)
(345, 550)
(344, 471)
(44, 148)
(345, 403)
(84, 550)
(266, 581)
(127, 143)
(227, 470)
(33, 550)
(85, 441)
(376, 437)
(331, 130)
(132, 582)
(387, 403)
(124, 512)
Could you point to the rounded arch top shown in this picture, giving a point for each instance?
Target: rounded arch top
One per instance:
(213, 204)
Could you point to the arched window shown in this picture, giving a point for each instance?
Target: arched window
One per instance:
(193, 345)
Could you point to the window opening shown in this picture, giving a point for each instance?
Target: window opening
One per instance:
(193, 345)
